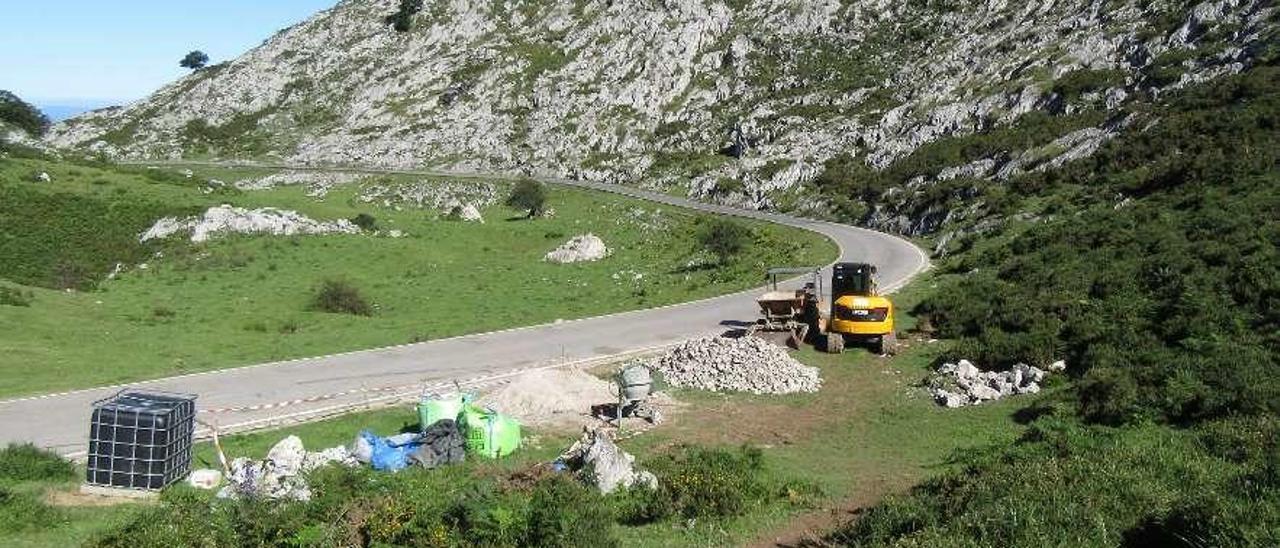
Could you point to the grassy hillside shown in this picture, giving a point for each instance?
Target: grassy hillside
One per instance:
(179, 307)
(1154, 270)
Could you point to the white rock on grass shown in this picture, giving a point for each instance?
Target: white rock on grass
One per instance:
(587, 247)
(230, 219)
(470, 214)
(746, 364)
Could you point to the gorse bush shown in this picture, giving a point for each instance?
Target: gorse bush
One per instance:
(699, 482)
(12, 296)
(26, 462)
(723, 238)
(340, 297)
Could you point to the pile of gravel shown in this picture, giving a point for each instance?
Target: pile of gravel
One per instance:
(961, 384)
(587, 247)
(746, 364)
(226, 218)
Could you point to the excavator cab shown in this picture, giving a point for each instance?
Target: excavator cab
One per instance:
(858, 312)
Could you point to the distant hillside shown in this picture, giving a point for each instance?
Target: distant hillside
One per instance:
(741, 101)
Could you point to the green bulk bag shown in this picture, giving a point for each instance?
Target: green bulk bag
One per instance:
(489, 434)
(431, 411)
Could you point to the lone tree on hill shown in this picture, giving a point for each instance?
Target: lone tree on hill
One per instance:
(723, 238)
(195, 60)
(528, 195)
(22, 115)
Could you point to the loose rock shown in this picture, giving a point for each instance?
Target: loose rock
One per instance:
(746, 364)
(962, 383)
(227, 218)
(587, 247)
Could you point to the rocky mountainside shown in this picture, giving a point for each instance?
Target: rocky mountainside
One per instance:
(741, 101)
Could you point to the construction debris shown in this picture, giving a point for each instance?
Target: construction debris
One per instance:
(746, 364)
(962, 384)
(227, 218)
(442, 443)
(279, 476)
(587, 247)
(599, 461)
(205, 478)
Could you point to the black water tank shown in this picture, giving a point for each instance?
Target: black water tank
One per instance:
(141, 440)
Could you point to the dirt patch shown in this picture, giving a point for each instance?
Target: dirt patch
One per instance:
(60, 497)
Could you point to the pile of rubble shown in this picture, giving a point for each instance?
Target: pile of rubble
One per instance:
(281, 474)
(587, 247)
(227, 218)
(603, 464)
(961, 384)
(746, 364)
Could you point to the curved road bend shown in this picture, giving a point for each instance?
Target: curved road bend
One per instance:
(294, 390)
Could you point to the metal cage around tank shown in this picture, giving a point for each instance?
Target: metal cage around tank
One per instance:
(140, 439)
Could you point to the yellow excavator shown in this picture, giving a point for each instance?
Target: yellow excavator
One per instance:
(857, 312)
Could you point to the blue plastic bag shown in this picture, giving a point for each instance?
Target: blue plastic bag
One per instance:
(391, 454)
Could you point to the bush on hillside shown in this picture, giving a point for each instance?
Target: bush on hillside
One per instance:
(12, 296)
(340, 297)
(1167, 306)
(723, 238)
(528, 195)
(365, 221)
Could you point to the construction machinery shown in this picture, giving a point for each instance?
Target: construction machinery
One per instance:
(856, 313)
(790, 311)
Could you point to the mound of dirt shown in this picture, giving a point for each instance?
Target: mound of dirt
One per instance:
(550, 396)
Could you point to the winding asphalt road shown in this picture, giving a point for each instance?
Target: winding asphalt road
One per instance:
(306, 389)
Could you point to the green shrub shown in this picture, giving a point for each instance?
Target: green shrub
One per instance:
(708, 483)
(365, 221)
(26, 462)
(12, 296)
(340, 297)
(23, 511)
(723, 238)
(528, 195)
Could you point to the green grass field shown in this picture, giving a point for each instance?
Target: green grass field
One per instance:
(242, 299)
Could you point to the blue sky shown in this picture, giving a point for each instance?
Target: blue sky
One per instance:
(112, 51)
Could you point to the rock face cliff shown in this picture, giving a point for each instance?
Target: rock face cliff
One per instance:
(740, 101)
